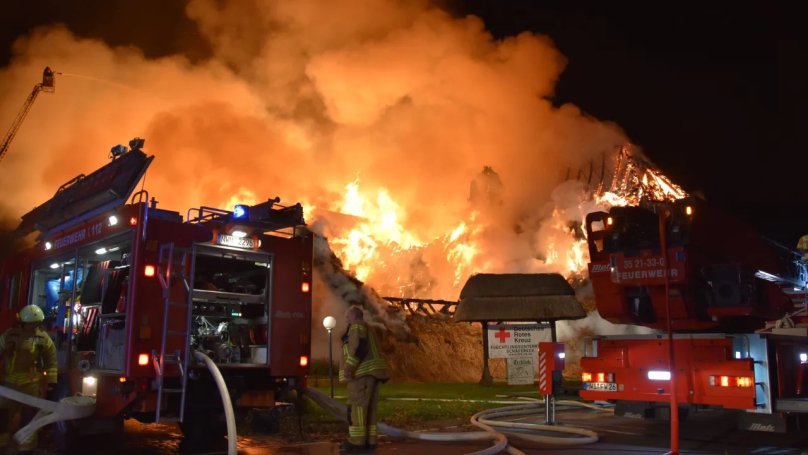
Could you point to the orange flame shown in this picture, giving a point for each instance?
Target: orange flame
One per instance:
(378, 248)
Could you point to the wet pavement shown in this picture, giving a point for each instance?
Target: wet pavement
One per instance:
(707, 433)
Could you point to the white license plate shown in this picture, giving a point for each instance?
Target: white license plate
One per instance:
(604, 386)
(238, 242)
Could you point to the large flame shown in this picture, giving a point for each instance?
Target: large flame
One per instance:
(379, 248)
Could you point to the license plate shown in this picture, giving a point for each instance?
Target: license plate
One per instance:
(238, 242)
(604, 386)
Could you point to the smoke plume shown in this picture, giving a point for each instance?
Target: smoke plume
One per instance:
(303, 99)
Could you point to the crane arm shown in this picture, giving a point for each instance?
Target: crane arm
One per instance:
(46, 85)
(18, 121)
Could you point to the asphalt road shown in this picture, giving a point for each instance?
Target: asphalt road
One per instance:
(704, 433)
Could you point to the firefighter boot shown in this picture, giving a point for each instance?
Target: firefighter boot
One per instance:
(347, 447)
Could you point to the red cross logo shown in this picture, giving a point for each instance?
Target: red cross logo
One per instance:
(502, 335)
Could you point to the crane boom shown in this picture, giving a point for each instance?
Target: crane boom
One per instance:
(47, 85)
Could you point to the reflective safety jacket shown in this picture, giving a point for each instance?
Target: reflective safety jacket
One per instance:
(27, 359)
(361, 354)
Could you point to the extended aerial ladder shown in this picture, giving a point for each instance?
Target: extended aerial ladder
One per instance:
(47, 85)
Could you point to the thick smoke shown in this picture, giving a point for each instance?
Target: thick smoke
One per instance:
(301, 98)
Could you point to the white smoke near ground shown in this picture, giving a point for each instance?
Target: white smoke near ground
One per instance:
(299, 100)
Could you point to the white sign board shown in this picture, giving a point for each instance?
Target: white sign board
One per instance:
(519, 343)
(521, 370)
(516, 340)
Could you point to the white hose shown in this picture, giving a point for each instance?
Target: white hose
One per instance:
(579, 436)
(486, 420)
(229, 415)
(338, 410)
(49, 411)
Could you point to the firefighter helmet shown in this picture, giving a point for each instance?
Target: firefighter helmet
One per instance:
(31, 313)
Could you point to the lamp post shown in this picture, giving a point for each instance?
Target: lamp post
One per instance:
(329, 323)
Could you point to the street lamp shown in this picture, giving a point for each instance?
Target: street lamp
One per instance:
(329, 323)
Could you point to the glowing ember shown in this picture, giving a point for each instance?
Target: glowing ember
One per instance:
(635, 179)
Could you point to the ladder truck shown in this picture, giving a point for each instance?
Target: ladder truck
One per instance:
(47, 85)
(734, 303)
(132, 292)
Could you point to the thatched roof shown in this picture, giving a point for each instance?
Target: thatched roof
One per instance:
(517, 297)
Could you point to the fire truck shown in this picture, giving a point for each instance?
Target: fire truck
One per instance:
(132, 291)
(732, 302)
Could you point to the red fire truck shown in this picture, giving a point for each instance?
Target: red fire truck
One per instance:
(131, 291)
(717, 282)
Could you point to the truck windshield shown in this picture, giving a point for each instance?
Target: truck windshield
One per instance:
(633, 228)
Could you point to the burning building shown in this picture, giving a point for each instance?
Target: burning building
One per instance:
(379, 115)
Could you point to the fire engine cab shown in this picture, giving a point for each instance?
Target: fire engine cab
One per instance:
(132, 292)
(733, 301)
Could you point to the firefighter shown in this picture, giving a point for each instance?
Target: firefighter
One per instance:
(364, 369)
(28, 365)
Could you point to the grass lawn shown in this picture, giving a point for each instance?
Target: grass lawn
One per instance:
(420, 406)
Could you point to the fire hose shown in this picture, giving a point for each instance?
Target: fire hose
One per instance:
(76, 407)
(229, 415)
(68, 408)
(489, 422)
(572, 436)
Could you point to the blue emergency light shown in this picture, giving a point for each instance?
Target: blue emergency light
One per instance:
(240, 211)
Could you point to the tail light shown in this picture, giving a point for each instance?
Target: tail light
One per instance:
(304, 360)
(305, 277)
(659, 375)
(143, 359)
(149, 270)
(732, 381)
(597, 377)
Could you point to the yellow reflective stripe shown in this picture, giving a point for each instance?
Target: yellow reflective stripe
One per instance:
(352, 360)
(359, 327)
(356, 431)
(370, 366)
(373, 347)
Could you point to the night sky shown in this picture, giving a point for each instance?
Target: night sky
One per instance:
(716, 97)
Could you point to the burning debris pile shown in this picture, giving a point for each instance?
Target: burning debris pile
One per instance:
(635, 179)
(421, 339)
